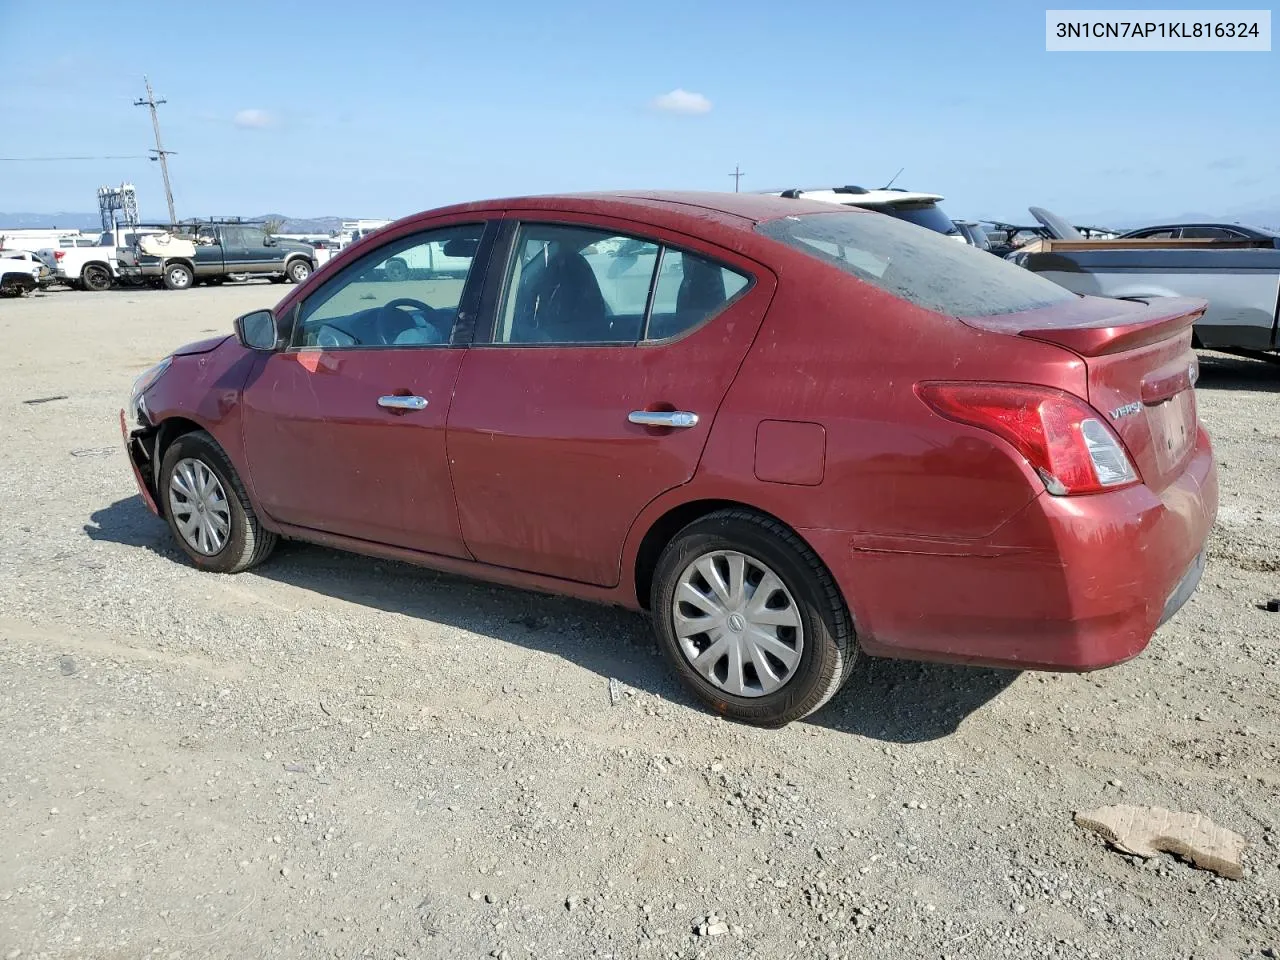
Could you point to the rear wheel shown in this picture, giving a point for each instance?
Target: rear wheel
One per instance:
(751, 619)
(95, 277)
(207, 508)
(178, 276)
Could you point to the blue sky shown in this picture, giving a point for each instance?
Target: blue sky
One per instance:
(318, 108)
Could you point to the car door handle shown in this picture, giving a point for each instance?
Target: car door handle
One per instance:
(403, 403)
(663, 418)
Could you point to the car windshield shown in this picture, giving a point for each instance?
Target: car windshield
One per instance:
(919, 266)
(928, 215)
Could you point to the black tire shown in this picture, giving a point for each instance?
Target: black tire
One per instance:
(178, 276)
(298, 270)
(95, 277)
(396, 270)
(829, 643)
(248, 543)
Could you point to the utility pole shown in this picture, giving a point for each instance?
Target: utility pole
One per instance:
(737, 175)
(160, 153)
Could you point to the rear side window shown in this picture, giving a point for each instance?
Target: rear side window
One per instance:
(919, 266)
(572, 285)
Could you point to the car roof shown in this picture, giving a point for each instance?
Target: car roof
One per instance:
(1222, 224)
(684, 210)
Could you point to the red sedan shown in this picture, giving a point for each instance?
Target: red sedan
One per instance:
(789, 431)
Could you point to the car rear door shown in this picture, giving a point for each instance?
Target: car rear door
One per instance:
(595, 388)
(345, 430)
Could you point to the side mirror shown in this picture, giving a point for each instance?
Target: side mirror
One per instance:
(258, 331)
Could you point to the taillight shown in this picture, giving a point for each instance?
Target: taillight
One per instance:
(59, 254)
(1064, 439)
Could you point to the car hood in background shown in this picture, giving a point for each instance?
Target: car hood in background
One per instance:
(1058, 228)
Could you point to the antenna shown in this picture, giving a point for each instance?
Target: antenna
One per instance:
(895, 177)
(737, 175)
(159, 153)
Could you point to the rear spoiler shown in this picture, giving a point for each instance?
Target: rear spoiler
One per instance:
(1097, 326)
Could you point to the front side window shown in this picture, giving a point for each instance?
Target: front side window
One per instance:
(920, 266)
(577, 285)
(404, 294)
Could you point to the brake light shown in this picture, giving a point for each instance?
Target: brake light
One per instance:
(1065, 440)
(59, 254)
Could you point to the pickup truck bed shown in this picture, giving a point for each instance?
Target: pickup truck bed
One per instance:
(1239, 278)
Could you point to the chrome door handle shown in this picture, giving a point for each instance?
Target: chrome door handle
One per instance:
(663, 418)
(403, 403)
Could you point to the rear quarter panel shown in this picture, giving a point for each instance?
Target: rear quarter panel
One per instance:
(841, 354)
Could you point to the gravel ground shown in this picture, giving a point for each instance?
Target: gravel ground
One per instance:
(333, 756)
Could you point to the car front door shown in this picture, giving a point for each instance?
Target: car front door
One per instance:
(345, 429)
(595, 389)
(259, 255)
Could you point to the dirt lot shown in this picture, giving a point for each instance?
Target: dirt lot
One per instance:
(337, 757)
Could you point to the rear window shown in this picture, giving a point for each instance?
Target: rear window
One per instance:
(927, 215)
(919, 266)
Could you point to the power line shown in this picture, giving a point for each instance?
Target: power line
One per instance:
(126, 156)
(159, 153)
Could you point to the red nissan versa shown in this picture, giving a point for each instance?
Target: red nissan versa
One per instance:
(789, 431)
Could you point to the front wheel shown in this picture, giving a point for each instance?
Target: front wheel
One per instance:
(178, 276)
(207, 508)
(751, 619)
(298, 270)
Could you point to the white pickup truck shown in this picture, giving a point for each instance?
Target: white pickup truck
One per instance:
(90, 268)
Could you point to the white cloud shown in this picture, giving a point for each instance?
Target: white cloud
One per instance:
(682, 101)
(254, 119)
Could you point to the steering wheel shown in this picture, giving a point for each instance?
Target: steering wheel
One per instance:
(408, 302)
(391, 322)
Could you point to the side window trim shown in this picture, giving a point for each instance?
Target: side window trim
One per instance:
(468, 301)
(653, 292)
(499, 275)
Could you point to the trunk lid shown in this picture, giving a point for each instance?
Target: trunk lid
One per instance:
(1141, 369)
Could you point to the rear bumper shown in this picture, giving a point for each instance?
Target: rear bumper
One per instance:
(1071, 583)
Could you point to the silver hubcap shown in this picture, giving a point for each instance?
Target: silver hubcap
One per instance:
(178, 278)
(737, 624)
(199, 506)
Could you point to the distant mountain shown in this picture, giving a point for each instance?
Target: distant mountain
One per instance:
(90, 223)
(49, 221)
